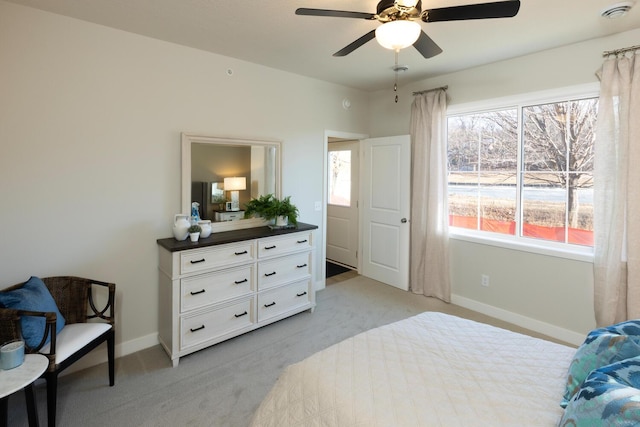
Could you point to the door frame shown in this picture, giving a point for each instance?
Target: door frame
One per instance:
(325, 173)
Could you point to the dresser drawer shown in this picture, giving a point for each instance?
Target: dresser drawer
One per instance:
(282, 270)
(220, 256)
(285, 244)
(209, 288)
(280, 300)
(209, 325)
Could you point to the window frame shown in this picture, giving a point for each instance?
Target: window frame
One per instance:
(527, 244)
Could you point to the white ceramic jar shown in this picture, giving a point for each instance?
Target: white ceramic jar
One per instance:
(181, 226)
(205, 225)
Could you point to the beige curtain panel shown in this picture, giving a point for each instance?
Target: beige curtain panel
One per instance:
(429, 271)
(617, 191)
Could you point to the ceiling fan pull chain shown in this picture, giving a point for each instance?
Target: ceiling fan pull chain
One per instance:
(395, 84)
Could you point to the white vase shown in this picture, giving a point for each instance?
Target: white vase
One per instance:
(281, 221)
(181, 226)
(205, 225)
(194, 236)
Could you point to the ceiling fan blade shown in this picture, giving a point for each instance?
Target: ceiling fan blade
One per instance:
(426, 46)
(334, 13)
(498, 9)
(356, 44)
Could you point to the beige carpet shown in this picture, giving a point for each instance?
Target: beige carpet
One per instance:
(223, 385)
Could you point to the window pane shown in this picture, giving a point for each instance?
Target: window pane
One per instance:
(498, 202)
(340, 178)
(557, 197)
(544, 206)
(482, 156)
(580, 230)
(463, 200)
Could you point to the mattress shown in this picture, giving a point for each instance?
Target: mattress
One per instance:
(432, 369)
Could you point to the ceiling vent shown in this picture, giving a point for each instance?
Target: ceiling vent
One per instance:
(617, 10)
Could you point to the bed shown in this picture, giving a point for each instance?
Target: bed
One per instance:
(432, 369)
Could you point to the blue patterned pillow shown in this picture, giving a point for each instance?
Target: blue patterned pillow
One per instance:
(32, 296)
(602, 347)
(610, 396)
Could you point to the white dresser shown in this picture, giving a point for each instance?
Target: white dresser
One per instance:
(228, 215)
(231, 283)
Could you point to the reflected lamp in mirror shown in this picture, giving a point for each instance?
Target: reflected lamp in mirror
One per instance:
(233, 185)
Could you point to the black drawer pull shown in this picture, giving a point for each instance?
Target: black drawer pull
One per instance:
(241, 253)
(270, 305)
(197, 261)
(299, 295)
(237, 282)
(197, 329)
(269, 247)
(241, 314)
(269, 274)
(301, 266)
(198, 292)
(303, 241)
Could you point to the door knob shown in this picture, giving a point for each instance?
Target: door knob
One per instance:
(403, 220)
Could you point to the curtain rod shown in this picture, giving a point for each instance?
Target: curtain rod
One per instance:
(430, 90)
(619, 51)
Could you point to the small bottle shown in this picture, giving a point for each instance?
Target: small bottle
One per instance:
(195, 213)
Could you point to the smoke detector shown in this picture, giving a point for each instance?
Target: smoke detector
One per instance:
(398, 68)
(617, 10)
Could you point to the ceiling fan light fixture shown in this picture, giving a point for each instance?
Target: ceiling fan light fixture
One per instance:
(396, 35)
(406, 3)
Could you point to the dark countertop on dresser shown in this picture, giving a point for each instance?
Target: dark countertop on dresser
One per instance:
(173, 245)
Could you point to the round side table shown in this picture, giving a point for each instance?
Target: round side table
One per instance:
(19, 378)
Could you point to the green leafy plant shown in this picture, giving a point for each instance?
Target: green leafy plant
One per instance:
(258, 206)
(285, 208)
(269, 207)
(195, 229)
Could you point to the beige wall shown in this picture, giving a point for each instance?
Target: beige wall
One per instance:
(90, 123)
(549, 294)
(90, 134)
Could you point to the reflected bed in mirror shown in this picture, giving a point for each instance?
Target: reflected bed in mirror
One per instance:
(208, 160)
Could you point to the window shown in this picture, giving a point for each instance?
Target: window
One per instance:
(340, 177)
(525, 171)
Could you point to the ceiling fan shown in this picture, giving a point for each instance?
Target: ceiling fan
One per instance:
(399, 29)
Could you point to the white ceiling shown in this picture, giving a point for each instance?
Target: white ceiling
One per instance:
(269, 33)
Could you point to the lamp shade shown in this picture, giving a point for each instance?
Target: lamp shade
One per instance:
(235, 183)
(396, 35)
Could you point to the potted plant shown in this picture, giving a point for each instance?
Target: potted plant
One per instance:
(258, 206)
(194, 232)
(269, 207)
(284, 211)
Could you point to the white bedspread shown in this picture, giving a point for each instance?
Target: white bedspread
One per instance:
(429, 370)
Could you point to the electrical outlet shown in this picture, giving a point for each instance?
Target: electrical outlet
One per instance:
(318, 206)
(484, 280)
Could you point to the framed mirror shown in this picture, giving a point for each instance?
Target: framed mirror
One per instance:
(251, 168)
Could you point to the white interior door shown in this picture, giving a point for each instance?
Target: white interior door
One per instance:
(342, 203)
(386, 164)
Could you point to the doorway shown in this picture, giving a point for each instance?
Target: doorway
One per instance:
(342, 197)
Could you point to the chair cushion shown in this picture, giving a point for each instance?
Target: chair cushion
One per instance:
(75, 336)
(32, 296)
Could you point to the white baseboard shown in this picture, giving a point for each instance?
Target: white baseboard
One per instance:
(99, 355)
(548, 329)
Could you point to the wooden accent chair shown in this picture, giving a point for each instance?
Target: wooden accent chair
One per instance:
(74, 297)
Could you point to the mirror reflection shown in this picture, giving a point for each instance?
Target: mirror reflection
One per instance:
(221, 175)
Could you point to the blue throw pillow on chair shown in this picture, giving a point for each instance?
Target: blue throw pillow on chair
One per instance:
(33, 296)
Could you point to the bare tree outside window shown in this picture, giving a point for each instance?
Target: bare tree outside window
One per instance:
(555, 177)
